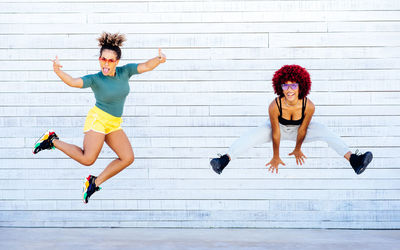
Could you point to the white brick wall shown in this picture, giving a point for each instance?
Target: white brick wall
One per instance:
(215, 85)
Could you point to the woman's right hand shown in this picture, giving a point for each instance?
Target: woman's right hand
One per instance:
(56, 64)
(274, 163)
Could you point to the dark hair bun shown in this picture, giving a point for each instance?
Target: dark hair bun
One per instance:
(113, 40)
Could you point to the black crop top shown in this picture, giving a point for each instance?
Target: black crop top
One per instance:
(283, 121)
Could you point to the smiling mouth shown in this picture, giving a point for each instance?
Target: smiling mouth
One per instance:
(106, 70)
(290, 94)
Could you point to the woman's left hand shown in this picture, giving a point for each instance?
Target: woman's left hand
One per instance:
(161, 56)
(299, 156)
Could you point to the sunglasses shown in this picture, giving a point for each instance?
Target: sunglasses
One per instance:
(293, 86)
(103, 59)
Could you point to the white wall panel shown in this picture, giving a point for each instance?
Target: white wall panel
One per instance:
(215, 86)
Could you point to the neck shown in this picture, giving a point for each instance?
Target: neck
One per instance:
(111, 74)
(291, 103)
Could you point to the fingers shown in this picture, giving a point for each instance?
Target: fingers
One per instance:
(300, 160)
(56, 64)
(272, 168)
(274, 165)
(161, 56)
(55, 61)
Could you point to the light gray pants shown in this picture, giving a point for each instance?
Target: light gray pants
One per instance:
(262, 134)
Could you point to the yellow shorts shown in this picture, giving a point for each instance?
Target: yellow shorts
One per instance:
(102, 122)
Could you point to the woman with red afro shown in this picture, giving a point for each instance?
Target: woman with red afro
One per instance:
(290, 119)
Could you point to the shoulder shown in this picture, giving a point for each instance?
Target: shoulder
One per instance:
(122, 68)
(310, 107)
(129, 66)
(130, 69)
(273, 107)
(91, 77)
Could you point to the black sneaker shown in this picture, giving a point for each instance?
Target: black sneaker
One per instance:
(218, 164)
(45, 141)
(359, 162)
(89, 187)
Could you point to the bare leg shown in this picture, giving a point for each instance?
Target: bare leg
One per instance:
(119, 143)
(92, 144)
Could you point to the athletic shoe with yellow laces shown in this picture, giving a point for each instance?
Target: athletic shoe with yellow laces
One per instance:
(45, 142)
(89, 187)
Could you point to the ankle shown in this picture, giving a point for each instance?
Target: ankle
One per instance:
(348, 155)
(96, 182)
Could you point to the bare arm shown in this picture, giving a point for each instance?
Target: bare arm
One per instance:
(302, 130)
(152, 63)
(69, 80)
(276, 131)
(276, 137)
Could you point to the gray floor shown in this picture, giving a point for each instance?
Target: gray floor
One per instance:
(160, 239)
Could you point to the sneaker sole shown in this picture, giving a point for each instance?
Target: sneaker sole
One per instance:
(40, 140)
(366, 161)
(216, 170)
(84, 189)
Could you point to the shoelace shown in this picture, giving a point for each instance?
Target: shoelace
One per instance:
(219, 155)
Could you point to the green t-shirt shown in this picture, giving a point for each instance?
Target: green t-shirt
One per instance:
(111, 91)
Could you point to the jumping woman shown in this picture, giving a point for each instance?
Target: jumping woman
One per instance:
(290, 119)
(103, 122)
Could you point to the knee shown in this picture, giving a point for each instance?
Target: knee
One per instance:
(89, 161)
(128, 160)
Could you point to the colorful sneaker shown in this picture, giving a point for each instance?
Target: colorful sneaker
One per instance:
(218, 164)
(89, 187)
(359, 162)
(45, 142)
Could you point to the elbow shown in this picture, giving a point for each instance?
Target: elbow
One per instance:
(276, 136)
(76, 83)
(143, 68)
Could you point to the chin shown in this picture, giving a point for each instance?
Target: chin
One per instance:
(291, 98)
(106, 73)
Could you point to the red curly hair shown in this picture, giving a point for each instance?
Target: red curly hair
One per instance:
(293, 73)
